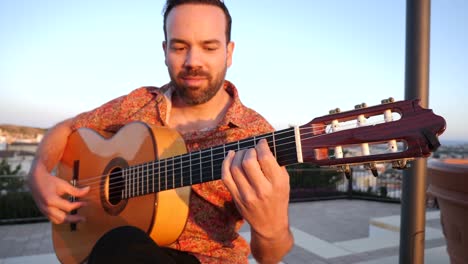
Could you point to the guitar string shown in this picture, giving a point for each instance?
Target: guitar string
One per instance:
(142, 182)
(145, 165)
(324, 130)
(216, 148)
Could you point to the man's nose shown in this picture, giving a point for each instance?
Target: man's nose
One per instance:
(193, 58)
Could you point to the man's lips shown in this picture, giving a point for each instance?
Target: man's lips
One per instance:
(193, 81)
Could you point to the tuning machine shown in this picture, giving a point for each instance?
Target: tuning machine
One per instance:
(388, 100)
(334, 111)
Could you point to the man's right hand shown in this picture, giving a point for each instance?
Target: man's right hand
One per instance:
(50, 192)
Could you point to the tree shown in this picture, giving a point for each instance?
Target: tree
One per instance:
(5, 168)
(7, 181)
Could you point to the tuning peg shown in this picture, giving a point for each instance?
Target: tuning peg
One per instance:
(359, 106)
(388, 100)
(334, 111)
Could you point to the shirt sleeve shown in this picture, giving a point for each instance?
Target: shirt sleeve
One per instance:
(103, 118)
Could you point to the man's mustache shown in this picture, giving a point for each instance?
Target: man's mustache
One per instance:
(193, 73)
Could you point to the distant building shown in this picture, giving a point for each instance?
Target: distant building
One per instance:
(3, 142)
(23, 146)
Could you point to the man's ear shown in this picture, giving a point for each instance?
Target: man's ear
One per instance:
(164, 46)
(229, 51)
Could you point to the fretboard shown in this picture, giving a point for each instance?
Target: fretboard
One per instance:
(200, 166)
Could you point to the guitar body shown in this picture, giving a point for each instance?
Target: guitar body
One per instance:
(95, 161)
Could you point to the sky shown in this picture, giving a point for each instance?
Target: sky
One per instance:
(293, 60)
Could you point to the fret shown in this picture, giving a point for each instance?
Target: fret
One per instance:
(142, 179)
(185, 170)
(176, 171)
(165, 173)
(173, 173)
(218, 155)
(286, 146)
(181, 172)
(124, 182)
(212, 169)
(190, 167)
(159, 175)
(246, 143)
(152, 174)
(128, 181)
(147, 178)
(138, 180)
(169, 182)
(133, 180)
(195, 159)
(206, 165)
(201, 167)
(230, 146)
(274, 144)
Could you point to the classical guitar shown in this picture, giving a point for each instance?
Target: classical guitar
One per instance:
(141, 176)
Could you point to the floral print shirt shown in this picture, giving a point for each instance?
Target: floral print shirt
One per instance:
(211, 232)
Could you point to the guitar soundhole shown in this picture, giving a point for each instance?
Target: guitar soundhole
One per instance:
(115, 187)
(112, 187)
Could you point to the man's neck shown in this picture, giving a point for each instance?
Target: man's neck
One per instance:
(187, 118)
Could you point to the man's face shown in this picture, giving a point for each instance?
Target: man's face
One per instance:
(197, 55)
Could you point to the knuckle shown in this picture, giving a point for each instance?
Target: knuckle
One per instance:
(248, 163)
(235, 170)
(249, 200)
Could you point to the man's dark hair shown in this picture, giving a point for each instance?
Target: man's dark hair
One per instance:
(170, 4)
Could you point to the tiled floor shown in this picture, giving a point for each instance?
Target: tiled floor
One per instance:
(334, 232)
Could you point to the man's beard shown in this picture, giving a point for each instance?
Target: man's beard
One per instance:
(198, 95)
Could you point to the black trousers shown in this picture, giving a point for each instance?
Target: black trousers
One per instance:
(131, 245)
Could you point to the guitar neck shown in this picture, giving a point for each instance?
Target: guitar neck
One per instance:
(203, 165)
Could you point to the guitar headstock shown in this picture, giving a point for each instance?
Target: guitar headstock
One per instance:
(390, 132)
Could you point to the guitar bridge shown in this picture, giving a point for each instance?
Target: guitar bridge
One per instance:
(76, 167)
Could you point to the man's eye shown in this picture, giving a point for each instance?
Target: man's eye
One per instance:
(178, 48)
(211, 48)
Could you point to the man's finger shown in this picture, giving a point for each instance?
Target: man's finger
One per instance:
(56, 216)
(226, 175)
(270, 167)
(73, 191)
(76, 218)
(66, 205)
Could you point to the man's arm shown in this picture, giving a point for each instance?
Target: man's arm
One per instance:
(260, 189)
(47, 190)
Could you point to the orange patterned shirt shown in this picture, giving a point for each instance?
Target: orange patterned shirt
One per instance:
(211, 232)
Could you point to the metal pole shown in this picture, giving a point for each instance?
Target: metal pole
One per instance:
(413, 204)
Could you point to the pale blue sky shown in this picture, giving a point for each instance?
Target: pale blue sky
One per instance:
(294, 60)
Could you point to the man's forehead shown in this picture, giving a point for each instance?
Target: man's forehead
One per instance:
(196, 19)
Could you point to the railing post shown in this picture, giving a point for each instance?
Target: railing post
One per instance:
(412, 232)
(350, 186)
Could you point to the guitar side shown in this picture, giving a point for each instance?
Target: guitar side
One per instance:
(93, 159)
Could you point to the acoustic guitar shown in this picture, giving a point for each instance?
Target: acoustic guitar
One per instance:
(141, 176)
